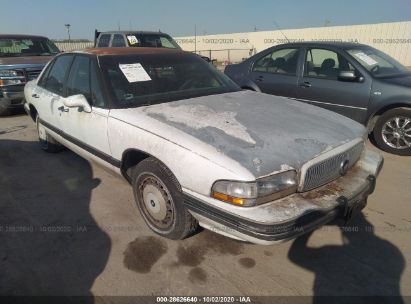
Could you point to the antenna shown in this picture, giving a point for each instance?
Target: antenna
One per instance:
(276, 25)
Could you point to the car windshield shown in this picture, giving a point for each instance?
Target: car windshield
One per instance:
(152, 40)
(379, 64)
(138, 80)
(14, 47)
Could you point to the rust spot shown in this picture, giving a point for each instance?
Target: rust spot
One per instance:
(329, 189)
(197, 275)
(247, 262)
(142, 253)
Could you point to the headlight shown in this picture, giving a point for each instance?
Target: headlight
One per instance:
(257, 192)
(10, 77)
(8, 73)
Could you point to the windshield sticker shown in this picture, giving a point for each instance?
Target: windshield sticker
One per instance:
(365, 58)
(132, 39)
(134, 72)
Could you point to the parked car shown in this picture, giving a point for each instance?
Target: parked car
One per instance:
(136, 39)
(22, 57)
(197, 149)
(354, 80)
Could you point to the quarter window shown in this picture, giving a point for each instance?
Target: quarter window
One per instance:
(97, 98)
(57, 75)
(283, 61)
(324, 63)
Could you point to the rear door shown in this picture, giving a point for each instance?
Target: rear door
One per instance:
(320, 84)
(275, 72)
(87, 132)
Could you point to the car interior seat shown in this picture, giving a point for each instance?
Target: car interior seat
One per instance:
(328, 68)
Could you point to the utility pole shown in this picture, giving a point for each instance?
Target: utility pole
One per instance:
(68, 31)
(195, 38)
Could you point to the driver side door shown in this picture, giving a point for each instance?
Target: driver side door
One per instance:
(86, 132)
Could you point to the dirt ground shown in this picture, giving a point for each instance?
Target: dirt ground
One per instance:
(68, 227)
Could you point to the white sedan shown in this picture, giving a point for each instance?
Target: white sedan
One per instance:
(199, 151)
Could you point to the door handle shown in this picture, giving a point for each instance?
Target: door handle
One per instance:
(35, 95)
(63, 109)
(260, 78)
(305, 84)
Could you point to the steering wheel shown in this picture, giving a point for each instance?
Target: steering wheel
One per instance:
(375, 69)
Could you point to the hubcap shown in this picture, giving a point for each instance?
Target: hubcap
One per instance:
(396, 132)
(156, 201)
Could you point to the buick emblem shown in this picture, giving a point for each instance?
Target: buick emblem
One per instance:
(344, 167)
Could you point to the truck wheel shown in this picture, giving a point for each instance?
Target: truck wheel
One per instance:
(47, 143)
(392, 132)
(159, 198)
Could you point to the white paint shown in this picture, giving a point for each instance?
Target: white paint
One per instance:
(201, 116)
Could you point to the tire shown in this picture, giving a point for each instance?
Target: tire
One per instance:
(160, 201)
(47, 143)
(392, 132)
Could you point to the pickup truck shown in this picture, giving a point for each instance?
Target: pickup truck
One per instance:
(22, 57)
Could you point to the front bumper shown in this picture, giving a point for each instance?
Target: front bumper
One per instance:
(294, 215)
(12, 96)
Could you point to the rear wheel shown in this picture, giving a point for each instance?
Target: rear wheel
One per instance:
(47, 143)
(159, 198)
(392, 132)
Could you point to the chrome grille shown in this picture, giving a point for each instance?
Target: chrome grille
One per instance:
(327, 170)
(32, 74)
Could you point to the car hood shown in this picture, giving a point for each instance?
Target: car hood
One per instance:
(263, 133)
(24, 61)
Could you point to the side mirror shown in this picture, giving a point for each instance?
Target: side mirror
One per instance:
(78, 101)
(349, 76)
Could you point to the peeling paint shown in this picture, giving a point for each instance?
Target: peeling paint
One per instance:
(201, 116)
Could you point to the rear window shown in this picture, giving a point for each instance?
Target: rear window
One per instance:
(151, 40)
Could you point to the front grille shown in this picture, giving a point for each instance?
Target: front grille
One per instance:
(327, 170)
(32, 74)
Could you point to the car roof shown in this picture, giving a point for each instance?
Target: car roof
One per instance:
(326, 44)
(11, 36)
(133, 32)
(128, 51)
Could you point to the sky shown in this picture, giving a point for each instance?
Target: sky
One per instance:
(180, 17)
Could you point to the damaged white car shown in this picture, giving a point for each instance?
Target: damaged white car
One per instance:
(199, 151)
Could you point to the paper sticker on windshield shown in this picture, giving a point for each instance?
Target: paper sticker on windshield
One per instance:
(134, 72)
(365, 58)
(132, 39)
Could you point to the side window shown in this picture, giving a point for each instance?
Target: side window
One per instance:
(78, 81)
(104, 40)
(97, 97)
(118, 41)
(283, 61)
(55, 80)
(326, 64)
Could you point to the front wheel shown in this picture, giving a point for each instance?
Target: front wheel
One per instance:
(392, 132)
(160, 201)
